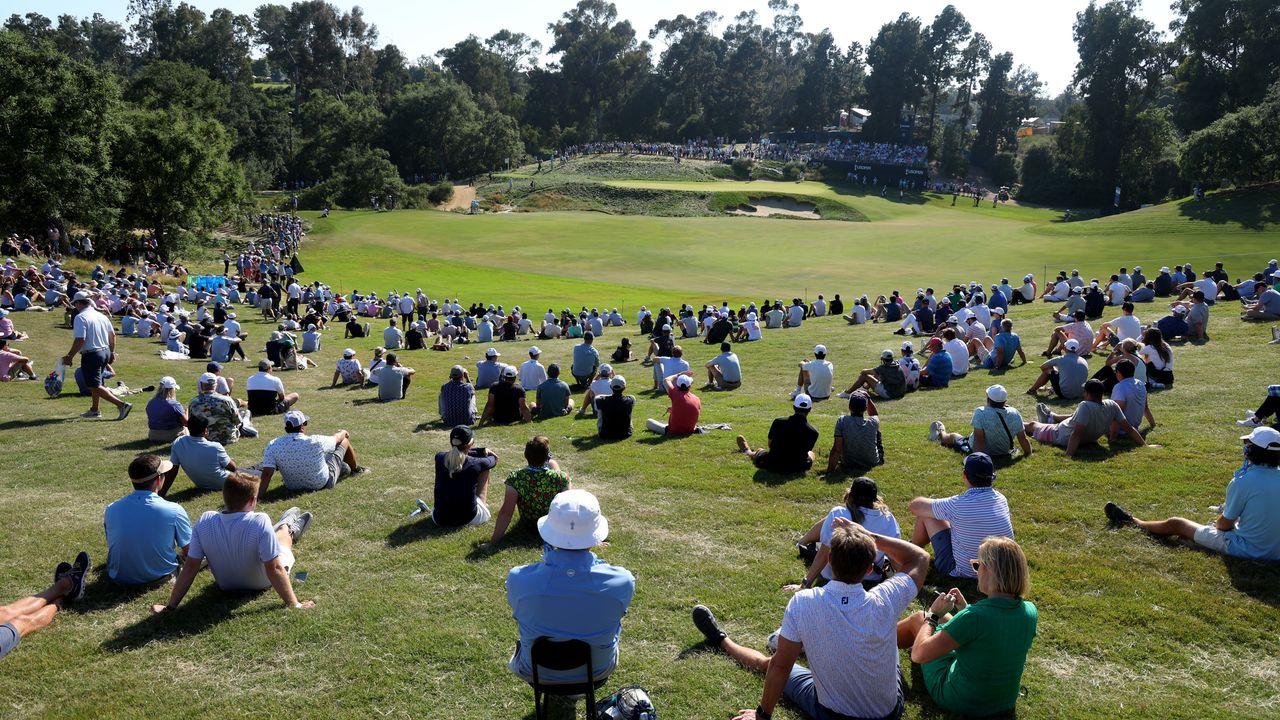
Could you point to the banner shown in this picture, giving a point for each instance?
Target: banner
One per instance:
(296, 265)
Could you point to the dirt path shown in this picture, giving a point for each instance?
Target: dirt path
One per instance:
(461, 199)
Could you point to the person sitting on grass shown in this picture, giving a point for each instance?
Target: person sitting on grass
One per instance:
(599, 387)
(7, 331)
(554, 398)
(22, 617)
(308, 462)
(957, 525)
(887, 381)
(457, 401)
(849, 635)
(393, 379)
(530, 489)
(1174, 326)
(1249, 523)
(1066, 374)
(166, 417)
(205, 461)
(1267, 307)
(462, 482)
(724, 371)
(973, 661)
(685, 407)
(622, 353)
(1270, 406)
(613, 413)
(1092, 419)
(995, 426)
(937, 369)
(14, 365)
(862, 505)
(1005, 345)
(1158, 358)
(506, 403)
(220, 413)
(816, 376)
(791, 441)
(355, 329)
(586, 359)
(266, 391)
(1078, 329)
(856, 443)
(1125, 327)
(532, 374)
(1131, 395)
(146, 534)
(348, 370)
(245, 552)
(571, 594)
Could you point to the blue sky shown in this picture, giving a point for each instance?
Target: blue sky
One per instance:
(1038, 33)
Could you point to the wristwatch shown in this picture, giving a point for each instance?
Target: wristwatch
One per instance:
(761, 714)
(932, 618)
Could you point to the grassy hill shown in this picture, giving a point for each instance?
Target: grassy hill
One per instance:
(408, 616)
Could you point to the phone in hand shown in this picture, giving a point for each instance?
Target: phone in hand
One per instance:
(479, 452)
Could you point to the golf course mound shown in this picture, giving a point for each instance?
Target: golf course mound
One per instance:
(778, 207)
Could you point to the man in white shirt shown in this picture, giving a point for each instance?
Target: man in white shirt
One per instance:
(1125, 327)
(958, 351)
(95, 341)
(795, 314)
(349, 370)
(532, 374)
(724, 371)
(1059, 292)
(265, 381)
(816, 375)
(849, 635)
(245, 552)
(392, 337)
(1116, 291)
(773, 317)
(407, 305)
(308, 462)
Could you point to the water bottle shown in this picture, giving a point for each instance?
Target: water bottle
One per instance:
(422, 508)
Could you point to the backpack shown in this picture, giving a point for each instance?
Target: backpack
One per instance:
(629, 703)
(53, 381)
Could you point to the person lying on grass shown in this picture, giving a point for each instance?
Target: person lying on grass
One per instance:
(22, 617)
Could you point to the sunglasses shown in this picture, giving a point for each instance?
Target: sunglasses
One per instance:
(975, 564)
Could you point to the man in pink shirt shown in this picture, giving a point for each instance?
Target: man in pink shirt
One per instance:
(685, 407)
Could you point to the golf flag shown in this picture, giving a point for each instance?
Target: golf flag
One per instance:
(297, 266)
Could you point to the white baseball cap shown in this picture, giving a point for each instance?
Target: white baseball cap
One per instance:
(887, 354)
(535, 351)
(208, 379)
(997, 393)
(1071, 345)
(802, 402)
(906, 345)
(573, 521)
(1180, 309)
(684, 381)
(819, 349)
(1267, 438)
(348, 353)
(492, 352)
(295, 418)
(606, 369)
(617, 382)
(168, 383)
(509, 372)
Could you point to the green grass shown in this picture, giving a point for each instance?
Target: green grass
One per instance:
(409, 617)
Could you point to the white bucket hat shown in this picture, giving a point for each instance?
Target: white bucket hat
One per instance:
(573, 521)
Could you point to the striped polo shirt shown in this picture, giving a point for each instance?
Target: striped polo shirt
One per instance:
(975, 515)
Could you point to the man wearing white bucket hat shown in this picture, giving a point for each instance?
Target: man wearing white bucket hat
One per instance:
(571, 594)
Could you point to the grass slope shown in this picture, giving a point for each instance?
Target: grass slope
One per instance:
(1130, 628)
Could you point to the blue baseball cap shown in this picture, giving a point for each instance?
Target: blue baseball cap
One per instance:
(978, 466)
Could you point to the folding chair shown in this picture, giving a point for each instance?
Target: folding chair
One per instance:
(562, 655)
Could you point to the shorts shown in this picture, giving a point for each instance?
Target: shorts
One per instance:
(1046, 432)
(1212, 538)
(338, 469)
(9, 639)
(943, 559)
(880, 390)
(764, 461)
(286, 558)
(483, 514)
(92, 363)
(802, 690)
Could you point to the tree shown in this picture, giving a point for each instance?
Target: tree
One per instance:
(590, 41)
(437, 126)
(58, 116)
(969, 71)
(479, 68)
(995, 108)
(941, 52)
(821, 93)
(319, 47)
(176, 174)
(1228, 56)
(1239, 147)
(688, 74)
(894, 58)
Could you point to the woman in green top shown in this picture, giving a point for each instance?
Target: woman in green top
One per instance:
(530, 489)
(973, 661)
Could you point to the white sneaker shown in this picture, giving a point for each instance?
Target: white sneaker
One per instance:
(1249, 422)
(286, 517)
(844, 396)
(795, 392)
(936, 428)
(1043, 413)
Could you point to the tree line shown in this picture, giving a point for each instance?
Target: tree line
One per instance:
(165, 123)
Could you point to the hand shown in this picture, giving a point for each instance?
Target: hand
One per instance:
(66, 359)
(157, 609)
(306, 605)
(745, 715)
(839, 522)
(792, 587)
(1153, 446)
(941, 604)
(957, 597)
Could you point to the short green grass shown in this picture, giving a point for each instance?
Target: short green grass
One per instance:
(413, 622)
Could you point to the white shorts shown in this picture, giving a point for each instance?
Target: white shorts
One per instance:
(286, 558)
(1212, 538)
(880, 391)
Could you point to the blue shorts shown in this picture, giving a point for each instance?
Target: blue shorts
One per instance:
(802, 691)
(943, 559)
(9, 639)
(92, 363)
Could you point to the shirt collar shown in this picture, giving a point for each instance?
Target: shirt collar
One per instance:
(837, 589)
(555, 557)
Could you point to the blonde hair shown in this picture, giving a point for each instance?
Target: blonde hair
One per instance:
(1006, 566)
(1129, 346)
(454, 458)
(163, 393)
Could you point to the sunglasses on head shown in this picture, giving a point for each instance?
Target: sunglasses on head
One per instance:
(975, 564)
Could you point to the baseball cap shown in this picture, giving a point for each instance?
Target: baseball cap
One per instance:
(887, 354)
(858, 402)
(803, 402)
(819, 349)
(265, 364)
(535, 350)
(4, 313)
(214, 367)
(492, 352)
(168, 383)
(906, 345)
(684, 381)
(1180, 309)
(1137, 268)
(208, 379)
(997, 311)
(617, 382)
(1267, 438)
(1078, 290)
(509, 372)
(348, 353)
(460, 436)
(1164, 269)
(80, 297)
(295, 418)
(1026, 278)
(606, 369)
(666, 328)
(1071, 345)
(148, 467)
(978, 466)
(997, 393)
(457, 371)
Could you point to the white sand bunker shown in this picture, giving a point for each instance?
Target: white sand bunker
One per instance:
(786, 207)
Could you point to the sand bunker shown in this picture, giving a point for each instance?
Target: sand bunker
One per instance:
(769, 207)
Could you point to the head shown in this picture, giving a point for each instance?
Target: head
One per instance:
(537, 451)
(802, 404)
(240, 492)
(852, 552)
(997, 396)
(949, 334)
(1262, 446)
(147, 471)
(1002, 568)
(265, 366)
(1094, 390)
(295, 422)
(820, 352)
(588, 337)
(725, 347)
(979, 470)
(197, 426)
(862, 495)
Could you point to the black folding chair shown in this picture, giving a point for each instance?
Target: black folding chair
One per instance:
(563, 655)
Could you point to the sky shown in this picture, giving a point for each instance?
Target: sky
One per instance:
(1037, 33)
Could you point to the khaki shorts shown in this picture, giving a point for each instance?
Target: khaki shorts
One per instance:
(1212, 538)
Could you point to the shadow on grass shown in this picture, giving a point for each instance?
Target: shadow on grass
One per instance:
(1250, 208)
(210, 607)
(591, 442)
(431, 425)
(139, 445)
(103, 594)
(771, 478)
(422, 529)
(27, 424)
(517, 538)
(1257, 579)
(188, 494)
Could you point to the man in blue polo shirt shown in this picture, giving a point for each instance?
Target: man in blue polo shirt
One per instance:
(571, 594)
(145, 532)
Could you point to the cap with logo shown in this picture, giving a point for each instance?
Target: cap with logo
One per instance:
(295, 418)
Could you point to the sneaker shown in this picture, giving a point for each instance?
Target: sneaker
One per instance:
(936, 428)
(91, 414)
(742, 443)
(807, 552)
(1043, 413)
(359, 470)
(844, 396)
(124, 411)
(795, 392)
(1155, 385)
(286, 517)
(1249, 422)
(298, 525)
(772, 642)
(1117, 515)
(79, 569)
(63, 569)
(1032, 393)
(707, 625)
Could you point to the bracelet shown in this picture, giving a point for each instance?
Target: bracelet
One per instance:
(805, 584)
(762, 714)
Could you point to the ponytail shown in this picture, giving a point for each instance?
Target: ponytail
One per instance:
(453, 461)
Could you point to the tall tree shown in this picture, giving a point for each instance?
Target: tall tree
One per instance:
(688, 73)
(590, 41)
(969, 72)
(941, 52)
(995, 107)
(1228, 58)
(894, 58)
(319, 47)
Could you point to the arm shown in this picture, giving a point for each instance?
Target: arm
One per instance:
(1022, 355)
(979, 440)
(189, 569)
(908, 558)
(1224, 524)
(488, 410)
(1000, 356)
(525, 414)
(775, 678)
(1073, 443)
(280, 581)
(921, 507)
(871, 409)
(75, 348)
(931, 644)
(266, 481)
(335, 379)
(837, 452)
(1024, 443)
(504, 517)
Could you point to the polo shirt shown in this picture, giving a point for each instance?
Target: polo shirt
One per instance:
(1007, 341)
(861, 443)
(236, 545)
(821, 375)
(1253, 500)
(204, 461)
(94, 327)
(1127, 327)
(163, 413)
(264, 381)
(850, 640)
(790, 440)
(143, 533)
(975, 515)
(1173, 326)
(685, 408)
(613, 416)
(300, 460)
(455, 495)
(1134, 395)
(488, 373)
(532, 374)
(585, 360)
(457, 403)
(1095, 418)
(391, 382)
(984, 675)
(551, 397)
(875, 520)
(570, 595)
(1073, 371)
(506, 402)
